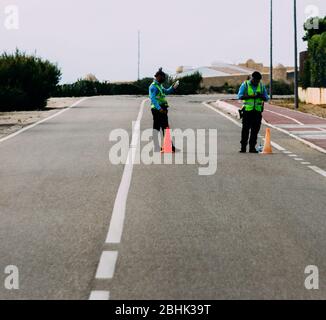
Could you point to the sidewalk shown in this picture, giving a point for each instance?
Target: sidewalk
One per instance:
(307, 128)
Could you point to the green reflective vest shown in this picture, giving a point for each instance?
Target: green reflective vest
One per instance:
(161, 96)
(254, 104)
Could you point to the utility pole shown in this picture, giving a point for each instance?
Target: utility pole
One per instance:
(271, 52)
(138, 77)
(296, 76)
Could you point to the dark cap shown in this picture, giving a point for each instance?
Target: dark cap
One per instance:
(257, 75)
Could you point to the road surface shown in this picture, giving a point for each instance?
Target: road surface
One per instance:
(248, 231)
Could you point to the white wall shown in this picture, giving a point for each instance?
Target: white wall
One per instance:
(313, 95)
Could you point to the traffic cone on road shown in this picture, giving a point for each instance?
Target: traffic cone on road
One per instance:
(268, 146)
(167, 143)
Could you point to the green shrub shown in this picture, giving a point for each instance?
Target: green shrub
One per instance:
(314, 73)
(26, 82)
(82, 88)
(189, 84)
(317, 54)
(226, 88)
(281, 88)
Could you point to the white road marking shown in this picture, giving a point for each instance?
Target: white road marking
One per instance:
(314, 168)
(306, 163)
(277, 146)
(318, 170)
(310, 144)
(41, 121)
(314, 137)
(276, 127)
(298, 159)
(310, 133)
(99, 295)
(284, 116)
(106, 267)
(119, 209)
(295, 126)
(274, 144)
(222, 114)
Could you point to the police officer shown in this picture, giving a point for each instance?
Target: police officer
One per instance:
(159, 105)
(254, 94)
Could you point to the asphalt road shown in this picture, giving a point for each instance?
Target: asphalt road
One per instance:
(248, 231)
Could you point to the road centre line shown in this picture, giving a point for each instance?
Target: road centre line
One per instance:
(106, 266)
(99, 295)
(41, 121)
(119, 210)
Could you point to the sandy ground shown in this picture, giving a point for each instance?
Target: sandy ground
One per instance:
(13, 121)
(318, 110)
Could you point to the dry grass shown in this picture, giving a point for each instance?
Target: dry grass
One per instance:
(318, 110)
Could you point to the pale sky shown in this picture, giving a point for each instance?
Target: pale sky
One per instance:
(100, 36)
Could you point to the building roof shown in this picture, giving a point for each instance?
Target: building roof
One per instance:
(217, 70)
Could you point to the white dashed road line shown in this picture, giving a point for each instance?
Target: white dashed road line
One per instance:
(99, 295)
(119, 209)
(106, 267)
(108, 260)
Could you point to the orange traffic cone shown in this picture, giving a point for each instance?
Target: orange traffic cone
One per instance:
(167, 144)
(268, 146)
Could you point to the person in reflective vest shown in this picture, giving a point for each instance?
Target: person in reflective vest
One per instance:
(160, 106)
(254, 94)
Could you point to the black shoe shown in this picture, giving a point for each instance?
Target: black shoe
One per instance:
(253, 151)
(243, 151)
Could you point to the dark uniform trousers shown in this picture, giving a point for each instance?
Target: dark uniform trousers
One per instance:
(160, 122)
(251, 123)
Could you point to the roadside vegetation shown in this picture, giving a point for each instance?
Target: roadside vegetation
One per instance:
(314, 73)
(279, 88)
(82, 88)
(26, 81)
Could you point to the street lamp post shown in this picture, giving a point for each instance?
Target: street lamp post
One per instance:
(138, 75)
(271, 52)
(296, 77)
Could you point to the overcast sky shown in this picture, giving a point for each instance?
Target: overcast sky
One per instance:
(100, 36)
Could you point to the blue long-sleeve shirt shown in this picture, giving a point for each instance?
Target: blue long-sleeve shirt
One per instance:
(153, 92)
(243, 91)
